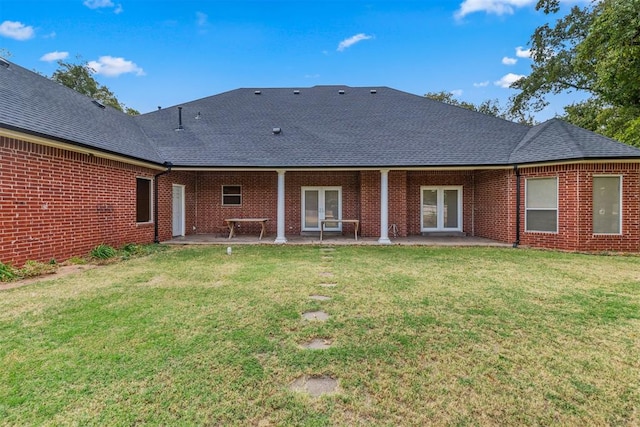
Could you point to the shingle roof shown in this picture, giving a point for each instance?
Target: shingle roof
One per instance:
(40, 106)
(558, 140)
(322, 126)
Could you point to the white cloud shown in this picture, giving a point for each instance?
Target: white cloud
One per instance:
(456, 92)
(112, 67)
(507, 80)
(201, 19)
(509, 61)
(16, 30)
(352, 40)
(481, 84)
(523, 53)
(102, 4)
(54, 56)
(311, 76)
(97, 4)
(497, 7)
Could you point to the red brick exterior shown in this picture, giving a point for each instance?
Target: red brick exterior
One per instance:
(57, 204)
(575, 200)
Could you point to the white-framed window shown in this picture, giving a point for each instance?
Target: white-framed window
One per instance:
(441, 208)
(144, 200)
(541, 205)
(607, 204)
(231, 195)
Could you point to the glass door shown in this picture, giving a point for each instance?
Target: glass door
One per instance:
(441, 209)
(321, 203)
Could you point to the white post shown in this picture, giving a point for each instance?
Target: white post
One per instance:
(280, 238)
(384, 207)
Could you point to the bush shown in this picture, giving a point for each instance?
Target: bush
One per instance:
(6, 273)
(103, 252)
(35, 268)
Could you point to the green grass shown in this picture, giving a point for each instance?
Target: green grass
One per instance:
(445, 336)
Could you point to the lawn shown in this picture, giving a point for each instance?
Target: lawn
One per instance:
(445, 336)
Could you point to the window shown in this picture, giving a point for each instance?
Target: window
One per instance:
(542, 205)
(231, 195)
(607, 215)
(143, 200)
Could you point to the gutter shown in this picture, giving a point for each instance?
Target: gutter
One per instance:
(168, 165)
(517, 171)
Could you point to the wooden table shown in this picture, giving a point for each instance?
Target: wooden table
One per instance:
(231, 222)
(356, 223)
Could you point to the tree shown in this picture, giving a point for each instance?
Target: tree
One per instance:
(79, 77)
(594, 49)
(490, 107)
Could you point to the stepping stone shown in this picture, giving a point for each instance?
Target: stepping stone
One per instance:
(315, 316)
(327, 249)
(328, 285)
(319, 297)
(315, 386)
(317, 344)
(326, 274)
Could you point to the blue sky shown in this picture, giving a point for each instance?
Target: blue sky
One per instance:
(163, 53)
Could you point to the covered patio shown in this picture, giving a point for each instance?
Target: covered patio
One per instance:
(218, 239)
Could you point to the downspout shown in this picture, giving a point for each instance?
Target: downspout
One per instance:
(168, 165)
(517, 171)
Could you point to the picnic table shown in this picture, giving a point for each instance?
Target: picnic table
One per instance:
(231, 222)
(355, 222)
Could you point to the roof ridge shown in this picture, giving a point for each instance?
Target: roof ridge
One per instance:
(528, 137)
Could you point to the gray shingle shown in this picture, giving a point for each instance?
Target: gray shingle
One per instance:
(320, 128)
(40, 106)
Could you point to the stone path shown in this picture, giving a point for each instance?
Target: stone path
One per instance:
(318, 385)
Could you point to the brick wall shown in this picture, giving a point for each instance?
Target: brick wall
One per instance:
(494, 205)
(417, 179)
(56, 204)
(575, 204)
(259, 200)
(165, 203)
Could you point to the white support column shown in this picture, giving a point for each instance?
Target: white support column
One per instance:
(280, 238)
(384, 207)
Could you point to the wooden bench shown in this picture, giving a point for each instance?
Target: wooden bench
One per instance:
(231, 222)
(355, 222)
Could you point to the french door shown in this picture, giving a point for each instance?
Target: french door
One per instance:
(321, 203)
(441, 208)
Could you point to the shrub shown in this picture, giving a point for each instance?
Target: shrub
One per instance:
(35, 268)
(6, 273)
(103, 251)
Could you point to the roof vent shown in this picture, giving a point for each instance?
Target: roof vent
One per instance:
(296, 92)
(341, 91)
(98, 103)
(277, 131)
(4, 63)
(257, 92)
(372, 91)
(180, 127)
(198, 116)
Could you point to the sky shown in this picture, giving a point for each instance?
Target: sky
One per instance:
(161, 53)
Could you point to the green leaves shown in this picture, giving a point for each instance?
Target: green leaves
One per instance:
(594, 49)
(79, 77)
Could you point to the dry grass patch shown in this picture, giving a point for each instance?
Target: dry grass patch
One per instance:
(450, 336)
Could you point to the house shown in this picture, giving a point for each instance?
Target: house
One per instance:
(75, 173)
